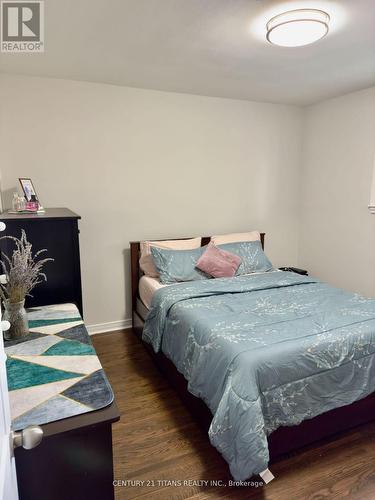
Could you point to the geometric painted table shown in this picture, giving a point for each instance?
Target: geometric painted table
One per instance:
(54, 372)
(56, 381)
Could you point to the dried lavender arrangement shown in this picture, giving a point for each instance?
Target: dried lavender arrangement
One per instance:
(23, 271)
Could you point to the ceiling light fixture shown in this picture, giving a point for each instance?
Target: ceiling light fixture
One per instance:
(298, 27)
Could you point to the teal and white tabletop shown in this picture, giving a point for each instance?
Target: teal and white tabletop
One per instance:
(54, 372)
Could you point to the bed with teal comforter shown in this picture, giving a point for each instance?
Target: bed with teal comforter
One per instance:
(264, 351)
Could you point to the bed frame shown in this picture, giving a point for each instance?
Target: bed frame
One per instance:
(285, 439)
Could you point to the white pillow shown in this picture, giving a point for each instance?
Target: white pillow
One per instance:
(146, 262)
(221, 239)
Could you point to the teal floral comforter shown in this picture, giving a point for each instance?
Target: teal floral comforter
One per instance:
(264, 351)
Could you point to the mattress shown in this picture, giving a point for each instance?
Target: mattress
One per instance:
(147, 288)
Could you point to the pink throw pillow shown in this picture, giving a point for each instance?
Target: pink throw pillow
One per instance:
(218, 263)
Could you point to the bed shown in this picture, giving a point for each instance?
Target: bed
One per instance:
(324, 371)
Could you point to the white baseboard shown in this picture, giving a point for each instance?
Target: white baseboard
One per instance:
(109, 327)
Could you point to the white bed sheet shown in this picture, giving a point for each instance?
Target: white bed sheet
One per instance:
(147, 288)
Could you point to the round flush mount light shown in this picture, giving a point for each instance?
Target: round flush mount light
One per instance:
(298, 27)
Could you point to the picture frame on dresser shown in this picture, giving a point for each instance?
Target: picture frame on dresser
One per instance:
(28, 189)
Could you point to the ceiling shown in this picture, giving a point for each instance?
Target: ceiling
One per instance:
(207, 47)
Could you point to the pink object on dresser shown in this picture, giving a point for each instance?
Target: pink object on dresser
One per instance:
(218, 263)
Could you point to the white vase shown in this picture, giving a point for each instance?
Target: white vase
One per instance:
(16, 314)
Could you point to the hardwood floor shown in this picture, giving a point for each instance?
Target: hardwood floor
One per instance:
(157, 444)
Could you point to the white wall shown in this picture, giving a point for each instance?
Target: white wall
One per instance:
(144, 164)
(337, 236)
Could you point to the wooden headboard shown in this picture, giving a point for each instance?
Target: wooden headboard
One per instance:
(136, 271)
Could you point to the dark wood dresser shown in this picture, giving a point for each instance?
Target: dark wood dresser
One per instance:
(74, 460)
(57, 231)
(64, 391)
